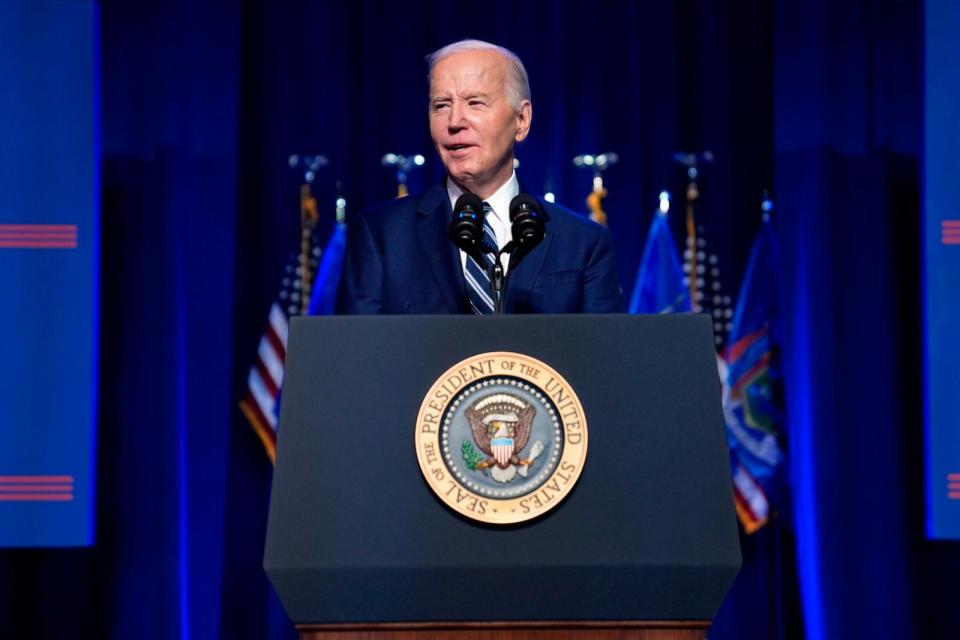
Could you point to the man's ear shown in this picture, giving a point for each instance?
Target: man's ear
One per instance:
(524, 118)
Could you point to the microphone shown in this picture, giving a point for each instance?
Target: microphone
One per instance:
(466, 228)
(527, 221)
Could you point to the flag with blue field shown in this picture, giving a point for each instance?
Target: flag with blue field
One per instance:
(323, 295)
(659, 287)
(752, 391)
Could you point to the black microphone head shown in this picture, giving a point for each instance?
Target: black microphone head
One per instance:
(526, 221)
(468, 200)
(466, 227)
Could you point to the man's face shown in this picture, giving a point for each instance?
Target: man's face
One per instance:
(472, 122)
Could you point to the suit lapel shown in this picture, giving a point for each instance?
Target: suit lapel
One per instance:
(432, 230)
(523, 272)
(525, 267)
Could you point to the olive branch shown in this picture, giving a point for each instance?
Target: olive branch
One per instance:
(470, 456)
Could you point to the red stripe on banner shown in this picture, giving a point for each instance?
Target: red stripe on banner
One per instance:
(36, 479)
(38, 235)
(266, 377)
(953, 477)
(38, 244)
(35, 487)
(950, 232)
(36, 497)
(38, 227)
(954, 495)
(278, 347)
(953, 486)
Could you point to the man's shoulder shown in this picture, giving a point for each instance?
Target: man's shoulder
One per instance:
(403, 209)
(571, 222)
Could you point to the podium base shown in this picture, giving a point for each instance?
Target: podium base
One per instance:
(606, 630)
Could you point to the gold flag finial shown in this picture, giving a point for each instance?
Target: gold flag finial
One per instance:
(309, 217)
(598, 164)
(404, 165)
(691, 162)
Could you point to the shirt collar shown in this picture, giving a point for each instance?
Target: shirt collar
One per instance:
(499, 201)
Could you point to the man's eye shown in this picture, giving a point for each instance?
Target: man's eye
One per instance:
(476, 103)
(439, 106)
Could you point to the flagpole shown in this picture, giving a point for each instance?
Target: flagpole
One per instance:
(309, 217)
(693, 192)
(341, 204)
(599, 164)
(691, 161)
(403, 165)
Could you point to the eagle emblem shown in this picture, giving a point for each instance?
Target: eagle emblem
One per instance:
(501, 425)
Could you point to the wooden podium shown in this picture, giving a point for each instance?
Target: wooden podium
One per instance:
(644, 547)
(617, 630)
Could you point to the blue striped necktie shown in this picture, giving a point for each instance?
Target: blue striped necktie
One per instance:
(478, 274)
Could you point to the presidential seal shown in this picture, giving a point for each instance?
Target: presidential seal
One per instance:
(501, 438)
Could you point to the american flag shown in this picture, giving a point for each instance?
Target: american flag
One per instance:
(710, 297)
(261, 402)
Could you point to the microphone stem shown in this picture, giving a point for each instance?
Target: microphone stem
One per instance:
(496, 283)
(497, 278)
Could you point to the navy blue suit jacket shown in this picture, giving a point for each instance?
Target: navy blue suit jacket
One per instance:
(399, 259)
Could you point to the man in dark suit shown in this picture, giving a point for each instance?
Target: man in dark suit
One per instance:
(399, 258)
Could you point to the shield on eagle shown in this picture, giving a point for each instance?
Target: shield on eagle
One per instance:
(502, 450)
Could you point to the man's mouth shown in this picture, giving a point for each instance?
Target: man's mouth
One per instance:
(457, 147)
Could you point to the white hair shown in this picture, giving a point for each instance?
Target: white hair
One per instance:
(517, 85)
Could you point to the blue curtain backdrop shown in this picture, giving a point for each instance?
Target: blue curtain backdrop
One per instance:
(202, 102)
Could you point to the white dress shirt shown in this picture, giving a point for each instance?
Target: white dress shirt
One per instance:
(499, 218)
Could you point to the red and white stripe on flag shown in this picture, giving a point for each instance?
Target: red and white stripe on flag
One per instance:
(261, 403)
(750, 500)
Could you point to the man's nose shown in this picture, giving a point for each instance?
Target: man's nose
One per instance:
(457, 120)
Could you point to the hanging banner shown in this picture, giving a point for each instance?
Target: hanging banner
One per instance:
(49, 255)
(941, 250)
